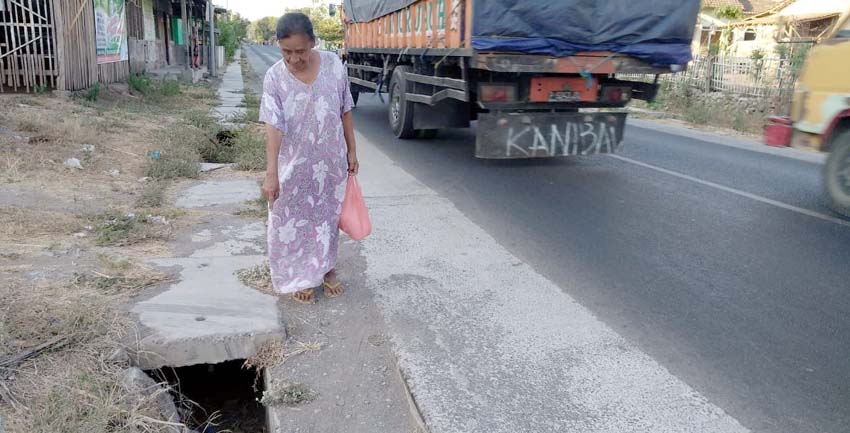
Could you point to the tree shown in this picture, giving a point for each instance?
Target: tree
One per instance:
(729, 12)
(263, 29)
(234, 30)
(328, 28)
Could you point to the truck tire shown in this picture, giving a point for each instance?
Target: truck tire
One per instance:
(401, 111)
(837, 173)
(427, 134)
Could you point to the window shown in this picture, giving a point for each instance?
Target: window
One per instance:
(400, 23)
(419, 18)
(749, 35)
(441, 14)
(429, 17)
(407, 27)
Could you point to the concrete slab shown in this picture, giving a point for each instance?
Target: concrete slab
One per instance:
(218, 193)
(486, 344)
(208, 315)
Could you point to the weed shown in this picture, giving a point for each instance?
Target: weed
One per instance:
(200, 119)
(139, 83)
(288, 394)
(122, 277)
(179, 156)
(250, 149)
(93, 93)
(153, 194)
(29, 124)
(113, 228)
(258, 277)
(257, 208)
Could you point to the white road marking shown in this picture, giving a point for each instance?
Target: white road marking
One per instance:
(756, 197)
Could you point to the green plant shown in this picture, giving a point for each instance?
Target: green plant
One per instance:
(139, 83)
(153, 194)
(729, 12)
(93, 93)
(250, 150)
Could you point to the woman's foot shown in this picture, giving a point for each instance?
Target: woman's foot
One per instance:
(332, 286)
(304, 297)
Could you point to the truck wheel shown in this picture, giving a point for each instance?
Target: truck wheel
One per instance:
(401, 111)
(427, 133)
(837, 173)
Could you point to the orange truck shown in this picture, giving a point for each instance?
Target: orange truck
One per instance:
(533, 74)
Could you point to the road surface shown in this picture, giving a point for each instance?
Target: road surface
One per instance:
(722, 263)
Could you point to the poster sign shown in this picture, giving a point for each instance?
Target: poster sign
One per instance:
(110, 20)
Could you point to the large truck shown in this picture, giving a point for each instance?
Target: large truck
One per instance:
(535, 74)
(820, 112)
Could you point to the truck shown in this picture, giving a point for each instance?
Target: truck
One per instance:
(542, 78)
(820, 111)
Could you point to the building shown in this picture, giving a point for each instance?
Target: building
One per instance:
(74, 44)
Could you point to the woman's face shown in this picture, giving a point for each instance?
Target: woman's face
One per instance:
(296, 50)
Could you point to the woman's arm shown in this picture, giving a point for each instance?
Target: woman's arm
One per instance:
(348, 130)
(271, 185)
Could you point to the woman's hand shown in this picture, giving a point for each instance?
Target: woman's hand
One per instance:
(271, 188)
(353, 165)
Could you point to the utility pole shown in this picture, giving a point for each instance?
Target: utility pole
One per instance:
(185, 26)
(213, 60)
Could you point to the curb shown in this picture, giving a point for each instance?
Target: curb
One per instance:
(729, 141)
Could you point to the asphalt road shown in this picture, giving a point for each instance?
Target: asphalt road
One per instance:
(722, 263)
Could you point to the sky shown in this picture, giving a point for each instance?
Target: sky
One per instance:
(256, 9)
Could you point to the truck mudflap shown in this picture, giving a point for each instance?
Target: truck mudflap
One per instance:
(504, 135)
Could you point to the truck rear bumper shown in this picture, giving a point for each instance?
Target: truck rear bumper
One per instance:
(546, 135)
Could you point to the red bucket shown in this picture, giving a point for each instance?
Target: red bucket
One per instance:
(777, 132)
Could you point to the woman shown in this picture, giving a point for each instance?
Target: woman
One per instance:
(310, 150)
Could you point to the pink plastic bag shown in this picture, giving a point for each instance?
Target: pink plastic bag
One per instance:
(354, 219)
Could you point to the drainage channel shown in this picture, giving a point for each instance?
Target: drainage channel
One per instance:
(212, 398)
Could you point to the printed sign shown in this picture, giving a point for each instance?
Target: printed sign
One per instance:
(110, 21)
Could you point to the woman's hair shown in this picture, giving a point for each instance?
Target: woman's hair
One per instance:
(293, 23)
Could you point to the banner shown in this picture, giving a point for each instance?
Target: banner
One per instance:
(110, 21)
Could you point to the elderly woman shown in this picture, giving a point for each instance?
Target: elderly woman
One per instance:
(310, 150)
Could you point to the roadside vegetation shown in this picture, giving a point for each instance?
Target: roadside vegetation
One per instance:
(84, 202)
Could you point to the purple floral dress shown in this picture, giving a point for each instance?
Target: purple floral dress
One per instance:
(303, 229)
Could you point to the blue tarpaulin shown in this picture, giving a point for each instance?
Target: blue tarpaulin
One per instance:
(658, 31)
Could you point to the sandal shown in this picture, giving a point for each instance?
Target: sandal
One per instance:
(332, 288)
(306, 297)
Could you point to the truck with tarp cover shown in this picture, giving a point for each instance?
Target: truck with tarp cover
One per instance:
(535, 74)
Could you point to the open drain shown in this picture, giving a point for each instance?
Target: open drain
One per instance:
(214, 398)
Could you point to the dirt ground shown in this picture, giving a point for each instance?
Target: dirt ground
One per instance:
(79, 213)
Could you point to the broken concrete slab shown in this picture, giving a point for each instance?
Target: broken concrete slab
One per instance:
(207, 167)
(218, 193)
(208, 315)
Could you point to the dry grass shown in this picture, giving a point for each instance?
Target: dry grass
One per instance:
(27, 225)
(288, 394)
(257, 208)
(117, 229)
(118, 276)
(258, 277)
(74, 388)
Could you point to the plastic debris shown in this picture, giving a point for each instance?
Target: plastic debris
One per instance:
(114, 172)
(88, 148)
(74, 163)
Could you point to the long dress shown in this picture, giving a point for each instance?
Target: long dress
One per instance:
(303, 225)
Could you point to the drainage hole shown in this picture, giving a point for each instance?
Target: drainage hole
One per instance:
(217, 397)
